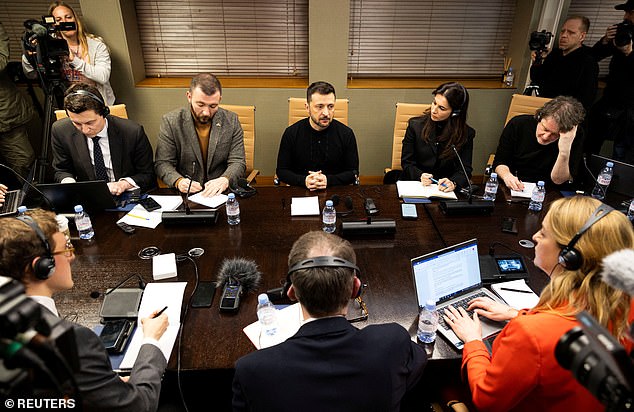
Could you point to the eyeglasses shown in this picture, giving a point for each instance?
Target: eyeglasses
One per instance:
(68, 251)
(363, 308)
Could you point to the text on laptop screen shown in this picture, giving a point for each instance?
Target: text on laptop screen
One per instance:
(441, 275)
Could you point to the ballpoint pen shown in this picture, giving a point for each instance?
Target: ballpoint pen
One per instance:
(160, 312)
(517, 290)
(436, 181)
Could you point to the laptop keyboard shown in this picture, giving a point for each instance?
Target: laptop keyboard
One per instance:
(10, 202)
(463, 303)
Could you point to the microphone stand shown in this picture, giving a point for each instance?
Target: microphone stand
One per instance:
(470, 206)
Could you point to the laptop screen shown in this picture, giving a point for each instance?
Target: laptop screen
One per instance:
(443, 274)
(622, 178)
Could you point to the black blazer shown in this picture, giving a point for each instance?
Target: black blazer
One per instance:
(329, 365)
(130, 151)
(419, 157)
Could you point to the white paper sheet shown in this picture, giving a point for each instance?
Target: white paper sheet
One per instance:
(138, 216)
(155, 297)
(212, 202)
(305, 206)
(411, 188)
(167, 202)
(526, 193)
(517, 300)
(289, 321)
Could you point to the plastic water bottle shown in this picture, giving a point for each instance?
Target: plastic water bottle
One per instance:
(603, 181)
(509, 77)
(233, 210)
(537, 197)
(22, 211)
(267, 315)
(630, 211)
(428, 322)
(329, 217)
(83, 223)
(62, 225)
(491, 188)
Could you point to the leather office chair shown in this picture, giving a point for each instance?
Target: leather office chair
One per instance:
(118, 110)
(520, 104)
(246, 116)
(404, 112)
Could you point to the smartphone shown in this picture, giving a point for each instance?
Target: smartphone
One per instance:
(115, 334)
(509, 225)
(149, 204)
(204, 295)
(408, 211)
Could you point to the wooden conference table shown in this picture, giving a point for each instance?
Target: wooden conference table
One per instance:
(213, 340)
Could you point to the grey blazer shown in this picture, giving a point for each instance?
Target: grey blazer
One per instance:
(178, 149)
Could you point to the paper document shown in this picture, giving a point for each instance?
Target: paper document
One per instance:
(155, 297)
(526, 193)
(289, 321)
(167, 202)
(517, 300)
(413, 189)
(305, 206)
(138, 216)
(212, 202)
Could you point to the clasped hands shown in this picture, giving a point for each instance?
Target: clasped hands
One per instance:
(468, 329)
(316, 180)
(212, 187)
(444, 184)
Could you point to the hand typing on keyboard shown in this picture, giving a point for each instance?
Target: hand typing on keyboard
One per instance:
(491, 309)
(466, 329)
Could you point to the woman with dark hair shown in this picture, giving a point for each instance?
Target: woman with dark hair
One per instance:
(428, 146)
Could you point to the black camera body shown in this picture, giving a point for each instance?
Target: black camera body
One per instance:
(539, 43)
(624, 33)
(43, 50)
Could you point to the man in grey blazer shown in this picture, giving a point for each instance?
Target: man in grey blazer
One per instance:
(201, 143)
(93, 145)
(37, 255)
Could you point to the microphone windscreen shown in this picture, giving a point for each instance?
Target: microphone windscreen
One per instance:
(39, 30)
(348, 202)
(618, 270)
(335, 200)
(244, 271)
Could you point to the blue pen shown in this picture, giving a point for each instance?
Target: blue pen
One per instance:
(436, 181)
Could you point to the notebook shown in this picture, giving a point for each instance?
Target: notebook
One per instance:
(450, 276)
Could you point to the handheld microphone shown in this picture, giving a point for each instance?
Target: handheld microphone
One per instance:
(461, 207)
(237, 275)
(16, 174)
(618, 270)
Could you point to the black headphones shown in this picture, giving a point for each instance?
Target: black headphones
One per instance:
(103, 111)
(569, 257)
(44, 266)
(321, 262)
(347, 201)
(456, 112)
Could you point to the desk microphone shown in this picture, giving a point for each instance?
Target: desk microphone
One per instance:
(189, 217)
(594, 178)
(16, 174)
(189, 188)
(461, 207)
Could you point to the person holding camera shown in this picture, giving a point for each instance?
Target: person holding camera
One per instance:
(522, 373)
(430, 140)
(612, 116)
(88, 59)
(34, 252)
(570, 69)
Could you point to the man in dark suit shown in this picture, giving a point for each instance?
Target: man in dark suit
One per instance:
(93, 145)
(201, 143)
(36, 254)
(328, 365)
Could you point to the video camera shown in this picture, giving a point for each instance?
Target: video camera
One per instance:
(624, 33)
(43, 50)
(598, 362)
(539, 43)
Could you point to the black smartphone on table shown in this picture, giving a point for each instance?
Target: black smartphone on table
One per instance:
(204, 295)
(149, 204)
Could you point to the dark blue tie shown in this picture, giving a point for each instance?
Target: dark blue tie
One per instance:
(100, 166)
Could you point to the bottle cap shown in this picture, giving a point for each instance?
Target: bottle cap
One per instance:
(263, 298)
(22, 209)
(609, 164)
(231, 196)
(329, 203)
(540, 183)
(430, 305)
(62, 222)
(494, 175)
(79, 209)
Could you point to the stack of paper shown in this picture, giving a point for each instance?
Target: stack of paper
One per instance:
(526, 193)
(305, 206)
(138, 216)
(516, 294)
(415, 189)
(212, 202)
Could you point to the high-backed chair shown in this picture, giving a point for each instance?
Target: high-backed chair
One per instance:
(246, 116)
(297, 110)
(404, 112)
(520, 104)
(118, 110)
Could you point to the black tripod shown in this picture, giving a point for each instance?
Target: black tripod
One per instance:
(54, 98)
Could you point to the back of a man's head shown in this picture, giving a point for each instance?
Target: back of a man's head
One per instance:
(566, 111)
(322, 291)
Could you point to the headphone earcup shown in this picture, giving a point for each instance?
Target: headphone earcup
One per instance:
(570, 258)
(44, 267)
(455, 113)
(106, 111)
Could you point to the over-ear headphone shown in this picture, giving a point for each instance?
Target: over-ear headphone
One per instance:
(321, 262)
(44, 266)
(103, 111)
(456, 112)
(569, 257)
(347, 201)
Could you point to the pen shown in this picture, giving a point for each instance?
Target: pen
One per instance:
(517, 290)
(436, 181)
(159, 313)
(138, 217)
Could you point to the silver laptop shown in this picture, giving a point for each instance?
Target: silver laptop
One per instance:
(12, 199)
(451, 276)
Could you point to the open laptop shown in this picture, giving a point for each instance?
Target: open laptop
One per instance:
(94, 196)
(451, 276)
(623, 175)
(12, 200)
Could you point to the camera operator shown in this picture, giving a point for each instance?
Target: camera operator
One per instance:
(88, 58)
(612, 116)
(570, 69)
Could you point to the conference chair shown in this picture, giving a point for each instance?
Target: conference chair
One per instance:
(520, 104)
(118, 110)
(297, 110)
(246, 116)
(404, 112)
